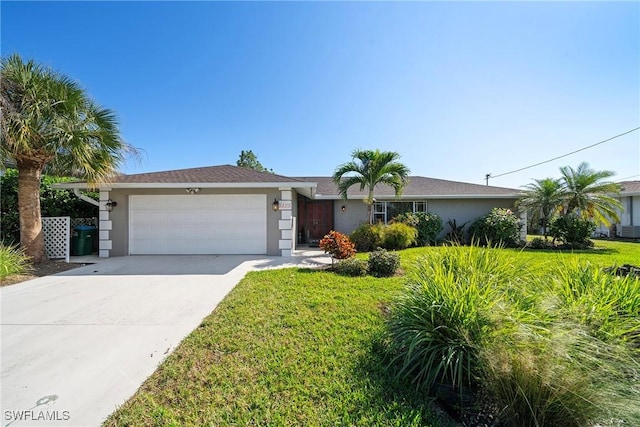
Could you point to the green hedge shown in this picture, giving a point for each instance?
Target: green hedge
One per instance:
(53, 202)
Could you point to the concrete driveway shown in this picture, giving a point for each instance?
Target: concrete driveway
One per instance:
(76, 345)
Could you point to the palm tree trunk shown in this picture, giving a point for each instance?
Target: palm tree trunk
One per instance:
(31, 237)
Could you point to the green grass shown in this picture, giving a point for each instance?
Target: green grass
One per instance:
(605, 254)
(304, 347)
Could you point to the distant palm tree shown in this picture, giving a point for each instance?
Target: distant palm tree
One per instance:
(544, 198)
(49, 122)
(369, 168)
(586, 194)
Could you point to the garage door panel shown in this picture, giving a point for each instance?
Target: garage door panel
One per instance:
(198, 224)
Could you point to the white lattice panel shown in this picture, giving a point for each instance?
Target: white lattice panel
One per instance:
(57, 236)
(83, 221)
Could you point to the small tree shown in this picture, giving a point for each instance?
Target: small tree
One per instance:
(49, 121)
(543, 198)
(249, 160)
(587, 194)
(369, 168)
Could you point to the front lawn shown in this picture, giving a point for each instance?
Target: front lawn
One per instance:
(605, 254)
(302, 347)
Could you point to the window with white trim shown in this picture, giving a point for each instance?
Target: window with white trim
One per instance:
(386, 211)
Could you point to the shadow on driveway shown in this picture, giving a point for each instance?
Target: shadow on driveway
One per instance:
(170, 265)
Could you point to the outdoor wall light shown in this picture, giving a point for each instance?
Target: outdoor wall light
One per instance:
(343, 208)
(193, 190)
(110, 205)
(275, 205)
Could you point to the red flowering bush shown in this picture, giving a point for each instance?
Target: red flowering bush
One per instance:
(338, 245)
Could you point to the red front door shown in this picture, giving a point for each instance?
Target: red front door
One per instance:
(315, 219)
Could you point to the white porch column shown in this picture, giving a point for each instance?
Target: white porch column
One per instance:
(105, 225)
(285, 224)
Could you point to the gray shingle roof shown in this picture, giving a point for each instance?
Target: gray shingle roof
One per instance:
(417, 186)
(221, 174)
(630, 186)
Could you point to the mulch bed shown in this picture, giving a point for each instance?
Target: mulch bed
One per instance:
(40, 270)
(624, 270)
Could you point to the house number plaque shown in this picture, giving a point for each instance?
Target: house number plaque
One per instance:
(285, 205)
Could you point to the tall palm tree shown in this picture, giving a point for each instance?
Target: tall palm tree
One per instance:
(369, 168)
(586, 194)
(544, 197)
(49, 122)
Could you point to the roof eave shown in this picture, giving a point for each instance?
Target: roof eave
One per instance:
(424, 196)
(146, 185)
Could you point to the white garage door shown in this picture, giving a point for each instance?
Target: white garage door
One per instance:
(198, 224)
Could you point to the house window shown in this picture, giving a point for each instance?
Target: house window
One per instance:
(380, 212)
(386, 211)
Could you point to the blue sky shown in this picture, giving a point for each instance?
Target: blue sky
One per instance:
(459, 89)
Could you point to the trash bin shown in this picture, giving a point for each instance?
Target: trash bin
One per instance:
(82, 240)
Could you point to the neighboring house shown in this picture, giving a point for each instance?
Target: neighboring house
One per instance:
(232, 210)
(629, 197)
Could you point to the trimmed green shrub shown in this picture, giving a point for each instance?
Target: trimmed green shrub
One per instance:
(572, 230)
(383, 263)
(12, 261)
(428, 226)
(398, 236)
(500, 227)
(539, 243)
(338, 245)
(367, 237)
(353, 267)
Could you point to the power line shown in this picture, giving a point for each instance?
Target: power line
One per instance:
(559, 157)
(627, 177)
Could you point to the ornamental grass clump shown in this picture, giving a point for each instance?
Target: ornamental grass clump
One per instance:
(562, 377)
(608, 305)
(550, 347)
(12, 261)
(450, 308)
